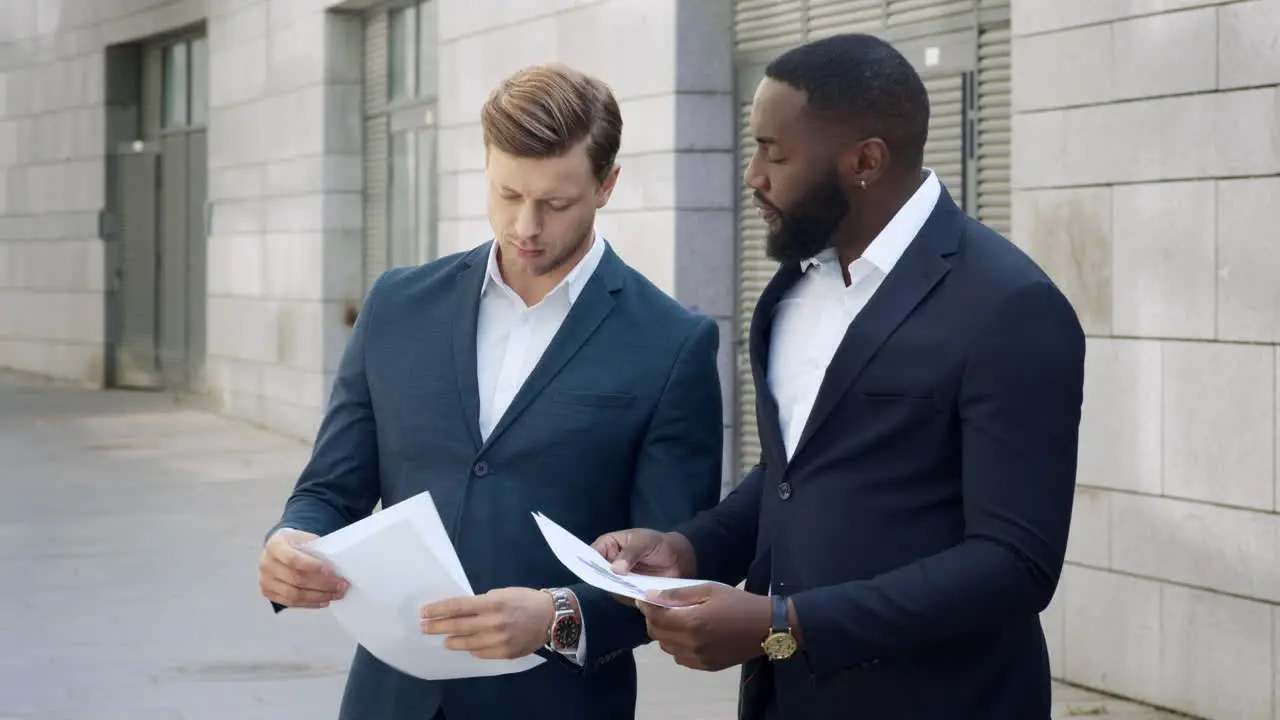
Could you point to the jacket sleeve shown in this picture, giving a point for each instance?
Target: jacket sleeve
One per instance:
(724, 537)
(339, 484)
(1019, 404)
(677, 475)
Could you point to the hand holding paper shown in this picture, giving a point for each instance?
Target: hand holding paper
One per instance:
(396, 561)
(591, 567)
(503, 623)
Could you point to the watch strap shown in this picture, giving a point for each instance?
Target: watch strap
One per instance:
(778, 621)
(560, 600)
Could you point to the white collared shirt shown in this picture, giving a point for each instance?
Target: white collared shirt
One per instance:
(512, 336)
(812, 319)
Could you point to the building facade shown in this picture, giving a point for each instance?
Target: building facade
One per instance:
(195, 195)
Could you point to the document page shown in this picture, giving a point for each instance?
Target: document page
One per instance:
(591, 567)
(396, 561)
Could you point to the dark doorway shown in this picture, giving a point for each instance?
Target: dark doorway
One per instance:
(156, 221)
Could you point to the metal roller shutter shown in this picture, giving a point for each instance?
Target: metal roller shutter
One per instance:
(944, 152)
(904, 12)
(832, 17)
(754, 271)
(761, 24)
(994, 120)
(375, 147)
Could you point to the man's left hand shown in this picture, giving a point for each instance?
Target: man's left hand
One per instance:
(498, 625)
(717, 627)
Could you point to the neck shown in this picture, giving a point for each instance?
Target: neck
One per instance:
(871, 211)
(531, 287)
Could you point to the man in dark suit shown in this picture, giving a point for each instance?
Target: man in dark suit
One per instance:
(537, 372)
(919, 383)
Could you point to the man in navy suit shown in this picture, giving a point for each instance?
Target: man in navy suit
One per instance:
(536, 372)
(919, 383)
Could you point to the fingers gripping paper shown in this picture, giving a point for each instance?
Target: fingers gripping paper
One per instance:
(396, 561)
(591, 567)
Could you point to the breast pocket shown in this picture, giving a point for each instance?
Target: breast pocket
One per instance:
(592, 399)
(898, 400)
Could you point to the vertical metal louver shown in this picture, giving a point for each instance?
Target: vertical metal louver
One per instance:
(945, 151)
(755, 269)
(993, 130)
(375, 147)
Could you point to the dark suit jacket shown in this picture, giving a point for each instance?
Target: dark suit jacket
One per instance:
(921, 524)
(619, 425)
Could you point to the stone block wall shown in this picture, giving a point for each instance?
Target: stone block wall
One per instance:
(285, 184)
(1146, 174)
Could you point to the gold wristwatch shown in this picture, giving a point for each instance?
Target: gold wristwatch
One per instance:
(780, 643)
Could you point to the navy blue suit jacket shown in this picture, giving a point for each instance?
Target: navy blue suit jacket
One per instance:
(921, 524)
(619, 425)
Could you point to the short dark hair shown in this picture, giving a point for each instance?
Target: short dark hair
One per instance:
(863, 81)
(546, 110)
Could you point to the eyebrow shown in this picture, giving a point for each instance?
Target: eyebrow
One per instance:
(556, 198)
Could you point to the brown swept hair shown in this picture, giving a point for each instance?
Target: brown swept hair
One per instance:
(546, 110)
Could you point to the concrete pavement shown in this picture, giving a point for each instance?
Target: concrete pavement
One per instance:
(129, 531)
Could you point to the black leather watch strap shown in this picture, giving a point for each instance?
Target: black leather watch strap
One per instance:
(779, 623)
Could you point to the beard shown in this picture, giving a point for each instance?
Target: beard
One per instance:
(805, 229)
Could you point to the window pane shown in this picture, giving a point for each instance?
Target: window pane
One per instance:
(426, 195)
(403, 52)
(403, 239)
(175, 92)
(427, 55)
(199, 81)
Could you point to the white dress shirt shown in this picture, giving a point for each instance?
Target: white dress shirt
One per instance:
(812, 319)
(512, 336)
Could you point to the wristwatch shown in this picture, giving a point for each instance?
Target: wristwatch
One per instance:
(780, 643)
(566, 626)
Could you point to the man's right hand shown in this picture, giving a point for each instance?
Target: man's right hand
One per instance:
(287, 576)
(648, 552)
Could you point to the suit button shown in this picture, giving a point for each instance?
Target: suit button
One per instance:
(784, 490)
(481, 469)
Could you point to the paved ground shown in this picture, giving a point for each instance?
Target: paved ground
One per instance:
(129, 530)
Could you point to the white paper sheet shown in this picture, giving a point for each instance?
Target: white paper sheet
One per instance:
(396, 561)
(591, 567)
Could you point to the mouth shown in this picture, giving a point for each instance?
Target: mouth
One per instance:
(529, 253)
(768, 214)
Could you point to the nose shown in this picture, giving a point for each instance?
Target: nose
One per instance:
(528, 221)
(753, 178)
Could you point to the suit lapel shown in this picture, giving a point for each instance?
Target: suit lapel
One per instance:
(921, 267)
(761, 331)
(593, 305)
(466, 310)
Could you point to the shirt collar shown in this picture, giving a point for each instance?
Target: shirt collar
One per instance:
(887, 247)
(573, 282)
